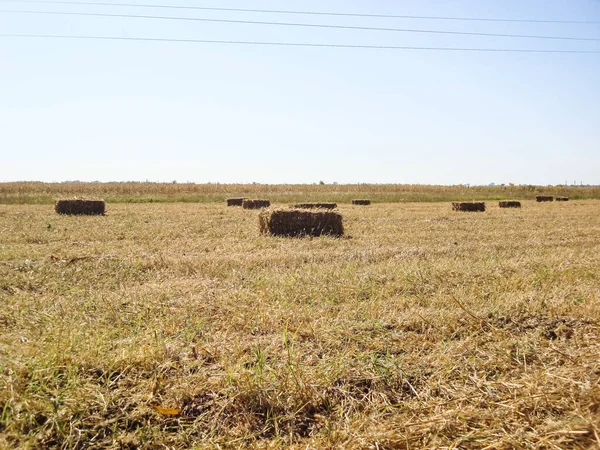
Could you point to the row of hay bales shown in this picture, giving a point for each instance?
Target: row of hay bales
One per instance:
(302, 219)
(480, 206)
(98, 207)
(549, 198)
(257, 204)
(306, 219)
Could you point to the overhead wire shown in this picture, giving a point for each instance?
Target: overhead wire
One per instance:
(311, 13)
(298, 44)
(304, 25)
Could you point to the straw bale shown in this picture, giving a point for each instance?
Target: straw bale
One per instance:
(300, 222)
(255, 204)
(235, 201)
(315, 206)
(509, 204)
(544, 198)
(80, 207)
(468, 206)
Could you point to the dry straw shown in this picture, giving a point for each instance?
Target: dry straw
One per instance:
(509, 204)
(544, 198)
(235, 201)
(80, 207)
(361, 202)
(255, 204)
(468, 206)
(315, 206)
(562, 199)
(298, 222)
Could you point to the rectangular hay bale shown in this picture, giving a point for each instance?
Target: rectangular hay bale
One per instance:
(255, 204)
(468, 206)
(362, 202)
(544, 198)
(300, 222)
(509, 204)
(80, 207)
(315, 205)
(235, 201)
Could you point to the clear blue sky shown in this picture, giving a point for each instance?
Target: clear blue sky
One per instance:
(98, 110)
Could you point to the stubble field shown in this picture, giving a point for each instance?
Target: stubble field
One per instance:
(179, 325)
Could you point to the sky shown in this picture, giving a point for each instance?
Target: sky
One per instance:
(97, 110)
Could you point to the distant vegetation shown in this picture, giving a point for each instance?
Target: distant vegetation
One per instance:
(134, 192)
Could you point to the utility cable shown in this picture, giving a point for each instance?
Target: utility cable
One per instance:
(311, 13)
(299, 44)
(294, 24)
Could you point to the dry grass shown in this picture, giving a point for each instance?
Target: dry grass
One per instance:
(425, 329)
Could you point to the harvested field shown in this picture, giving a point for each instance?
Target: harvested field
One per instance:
(298, 222)
(181, 326)
(509, 204)
(468, 206)
(255, 204)
(80, 207)
(544, 198)
(315, 205)
(361, 202)
(235, 201)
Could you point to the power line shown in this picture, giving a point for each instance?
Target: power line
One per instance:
(297, 44)
(295, 24)
(311, 13)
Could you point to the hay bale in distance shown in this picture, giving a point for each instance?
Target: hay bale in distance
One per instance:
(255, 204)
(562, 199)
(361, 202)
(300, 222)
(544, 198)
(509, 204)
(80, 207)
(468, 206)
(315, 206)
(235, 201)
